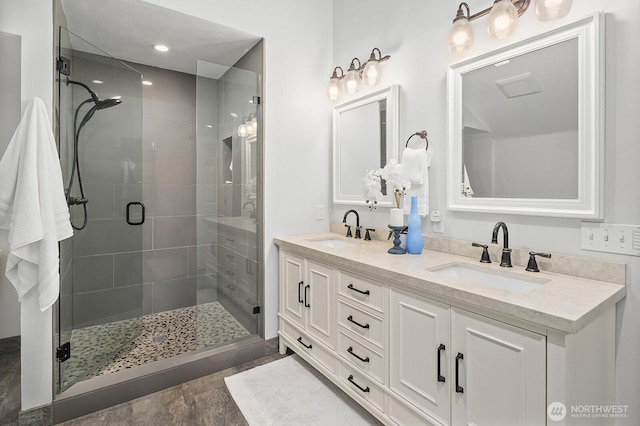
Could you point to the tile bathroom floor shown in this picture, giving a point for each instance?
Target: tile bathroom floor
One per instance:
(203, 401)
(153, 337)
(9, 381)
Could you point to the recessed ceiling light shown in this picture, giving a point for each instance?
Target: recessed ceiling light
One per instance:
(116, 97)
(234, 115)
(97, 81)
(161, 47)
(147, 83)
(210, 126)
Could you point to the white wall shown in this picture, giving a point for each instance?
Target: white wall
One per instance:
(32, 19)
(414, 33)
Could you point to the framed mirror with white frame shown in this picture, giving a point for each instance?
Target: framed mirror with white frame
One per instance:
(365, 137)
(526, 126)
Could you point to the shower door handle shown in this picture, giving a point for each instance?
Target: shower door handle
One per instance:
(135, 203)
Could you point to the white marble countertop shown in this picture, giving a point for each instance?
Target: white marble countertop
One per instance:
(563, 302)
(240, 222)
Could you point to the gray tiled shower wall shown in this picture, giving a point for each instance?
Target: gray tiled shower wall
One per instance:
(119, 268)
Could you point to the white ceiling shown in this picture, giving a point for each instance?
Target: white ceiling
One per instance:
(128, 29)
(554, 108)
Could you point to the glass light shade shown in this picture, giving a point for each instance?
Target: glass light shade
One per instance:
(548, 10)
(252, 127)
(334, 88)
(503, 19)
(460, 36)
(371, 72)
(351, 81)
(242, 130)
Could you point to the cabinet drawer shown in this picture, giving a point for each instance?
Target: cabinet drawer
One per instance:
(362, 323)
(362, 385)
(241, 298)
(401, 414)
(310, 346)
(361, 290)
(361, 356)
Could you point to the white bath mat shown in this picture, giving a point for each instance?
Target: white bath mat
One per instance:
(286, 392)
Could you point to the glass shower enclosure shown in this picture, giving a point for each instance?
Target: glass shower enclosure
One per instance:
(163, 178)
(101, 157)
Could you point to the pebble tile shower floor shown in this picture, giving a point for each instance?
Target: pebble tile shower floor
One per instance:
(164, 335)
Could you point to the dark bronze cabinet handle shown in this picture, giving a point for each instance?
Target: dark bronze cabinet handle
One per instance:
(351, 287)
(350, 350)
(440, 349)
(306, 304)
(350, 378)
(300, 292)
(304, 344)
(350, 318)
(459, 389)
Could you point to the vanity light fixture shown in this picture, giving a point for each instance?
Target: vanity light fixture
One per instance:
(502, 20)
(352, 78)
(243, 130)
(461, 34)
(547, 10)
(248, 127)
(357, 74)
(371, 71)
(334, 88)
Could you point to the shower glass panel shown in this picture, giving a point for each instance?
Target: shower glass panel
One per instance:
(99, 120)
(229, 196)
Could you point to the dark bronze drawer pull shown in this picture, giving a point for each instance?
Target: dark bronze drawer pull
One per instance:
(304, 344)
(350, 318)
(350, 350)
(350, 378)
(351, 287)
(459, 389)
(440, 349)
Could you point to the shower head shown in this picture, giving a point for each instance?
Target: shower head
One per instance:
(100, 104)
(107, 103)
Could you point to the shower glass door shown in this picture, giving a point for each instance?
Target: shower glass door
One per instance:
(99, 120)
(228, 203)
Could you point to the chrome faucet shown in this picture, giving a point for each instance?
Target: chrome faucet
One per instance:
(252, 212)
(344, 220)
(506, 251)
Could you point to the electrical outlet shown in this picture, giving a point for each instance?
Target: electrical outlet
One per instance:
(438, 227)
(320, 212)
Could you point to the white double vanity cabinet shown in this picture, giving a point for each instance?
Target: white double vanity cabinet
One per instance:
(414, 346)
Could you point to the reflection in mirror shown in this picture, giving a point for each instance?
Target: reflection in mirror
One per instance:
(526, 126)
(364, 138)
(520, 125)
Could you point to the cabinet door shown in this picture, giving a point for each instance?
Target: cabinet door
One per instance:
(500, 372)
(319, 296)
(291, 286)
(419, 343)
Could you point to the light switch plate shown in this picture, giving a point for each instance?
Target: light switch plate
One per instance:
(611, 238)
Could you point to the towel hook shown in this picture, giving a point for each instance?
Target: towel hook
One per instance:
(422, 134)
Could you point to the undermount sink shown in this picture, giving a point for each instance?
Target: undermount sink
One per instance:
(332, 242)
(500, 279)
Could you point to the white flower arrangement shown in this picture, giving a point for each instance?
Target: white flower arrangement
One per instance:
(394, 178)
